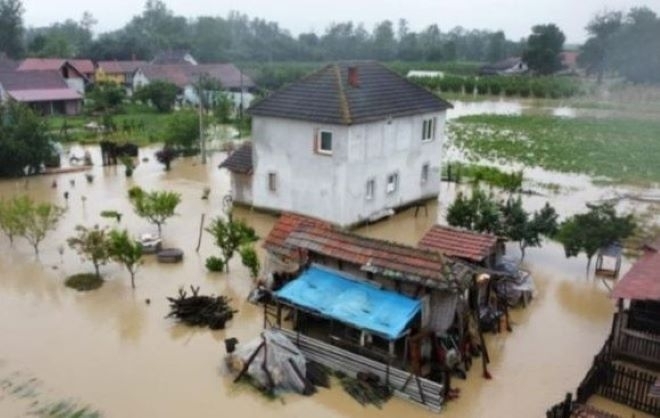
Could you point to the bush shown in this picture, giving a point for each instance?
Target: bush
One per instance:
(482, 86)
(215, 264)
(468, 85)
(83, 282)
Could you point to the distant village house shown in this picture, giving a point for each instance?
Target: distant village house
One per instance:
(47, 92)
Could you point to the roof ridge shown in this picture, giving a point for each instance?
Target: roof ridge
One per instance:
(344, 107)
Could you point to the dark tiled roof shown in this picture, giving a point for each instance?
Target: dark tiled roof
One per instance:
(325, 96)
(287, 223)
(186, 74)
(239, 161)
(455, 242)
(120, 67)
(642, 282)
(395, 261)
(32, 80)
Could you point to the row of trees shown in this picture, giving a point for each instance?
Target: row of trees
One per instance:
(239, 38)
(23, 217)
(584, 232)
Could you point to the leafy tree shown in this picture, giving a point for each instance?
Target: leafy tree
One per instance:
(543, 48)
(91, 244)
(125, 250)
(11, 28)
(527, 230)
(230, 235)
(594, 54)
(250, 260)
(24, 140)
(161, 94)
(37, 220)
(480, 212)
(155, 206)
(635, 47)
(107, 96)
(166, 155)
(11, 212)
(590, 231)
(183, 130)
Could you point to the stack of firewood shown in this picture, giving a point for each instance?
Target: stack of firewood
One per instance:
(196, 310)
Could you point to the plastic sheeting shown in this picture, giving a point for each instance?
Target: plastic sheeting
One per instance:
(355, 303)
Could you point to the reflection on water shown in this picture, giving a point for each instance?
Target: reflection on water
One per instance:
(113, 351)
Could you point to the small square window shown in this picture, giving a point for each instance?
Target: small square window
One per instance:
(325, 143)
(392, 183)
(272, 182)
(428, 129)
(371, 189)
(425, 173)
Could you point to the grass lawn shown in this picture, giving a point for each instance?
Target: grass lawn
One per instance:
(623, 150)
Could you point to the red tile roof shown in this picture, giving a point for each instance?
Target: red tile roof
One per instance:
(184, 75)
(456, 242)
(41, 64)
(276, 240)
(388, 259)
(642, 282)
(84, 66)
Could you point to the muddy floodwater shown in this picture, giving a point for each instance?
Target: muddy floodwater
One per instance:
(111, 350)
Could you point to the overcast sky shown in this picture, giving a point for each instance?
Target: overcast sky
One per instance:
(515, 17)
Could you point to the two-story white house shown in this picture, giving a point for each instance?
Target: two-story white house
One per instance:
(343, 144)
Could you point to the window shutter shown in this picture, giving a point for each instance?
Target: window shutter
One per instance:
(316, 140)
(435, 124)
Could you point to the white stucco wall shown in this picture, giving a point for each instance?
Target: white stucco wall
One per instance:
(333, 187)
(241, 188)
(139, 80)
(77, 84)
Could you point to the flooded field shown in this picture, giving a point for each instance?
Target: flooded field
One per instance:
(115, 353)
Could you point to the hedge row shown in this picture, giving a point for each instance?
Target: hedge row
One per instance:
(522, 86)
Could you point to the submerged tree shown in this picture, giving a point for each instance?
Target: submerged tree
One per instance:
(250, 260)
(527, 229)
(91, 244)
(590, 231)
(10, 217)
(38, 219)
(543, 48)
(125, 250)
(155, 206)
(480, 212)
(230, 235)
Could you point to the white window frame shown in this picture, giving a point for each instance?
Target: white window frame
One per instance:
(426, 171)
(428, 129)
(319, 142)
(370, 191)
(392, 187)
(272, 181)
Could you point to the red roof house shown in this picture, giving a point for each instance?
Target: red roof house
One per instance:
(454, 242)
(45, 91)
(642, 282)
(287, 223)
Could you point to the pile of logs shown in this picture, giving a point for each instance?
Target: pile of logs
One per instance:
(196, 310)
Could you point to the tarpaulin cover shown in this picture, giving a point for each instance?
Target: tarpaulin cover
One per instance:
(358, 304)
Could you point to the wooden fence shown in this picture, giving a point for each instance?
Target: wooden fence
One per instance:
(563, 409)
(630, 387)
(634, 345)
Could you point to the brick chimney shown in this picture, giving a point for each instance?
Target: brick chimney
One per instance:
(353, 79)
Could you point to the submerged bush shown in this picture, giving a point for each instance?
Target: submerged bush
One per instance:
(84, 282)
(215, 264)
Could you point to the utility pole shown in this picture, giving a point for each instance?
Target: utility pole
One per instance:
(202, 141)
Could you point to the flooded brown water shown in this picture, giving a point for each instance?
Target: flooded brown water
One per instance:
(111, 350)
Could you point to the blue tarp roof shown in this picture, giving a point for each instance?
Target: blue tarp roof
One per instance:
(358, 304)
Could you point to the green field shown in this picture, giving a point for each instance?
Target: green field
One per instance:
(623, 150)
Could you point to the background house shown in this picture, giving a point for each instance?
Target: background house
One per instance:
(44, 91)
(119, 72)
(75, 79)
(186, 76)
(345, 143)
(174, 57)
(508, 66)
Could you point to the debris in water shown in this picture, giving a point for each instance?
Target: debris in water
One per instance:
(202, 311)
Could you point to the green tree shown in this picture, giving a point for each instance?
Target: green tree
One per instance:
(24, 141)
(11, 28)
(543, 48)
(526, 230)
(11, 212)
(590, 231)
(155, 206)
(230, 235)
(250, 260)
(107, 96)
(183, 131)
(91, 244)
(594, 54)
(126, 251)
(480, 212)
(37, 220)
(161, 94)
(636, 47)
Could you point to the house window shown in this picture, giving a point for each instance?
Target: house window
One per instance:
(428, 129)
(371, 189)
(425, 173)
(324, 145)
(392, 183)
(272, 182)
